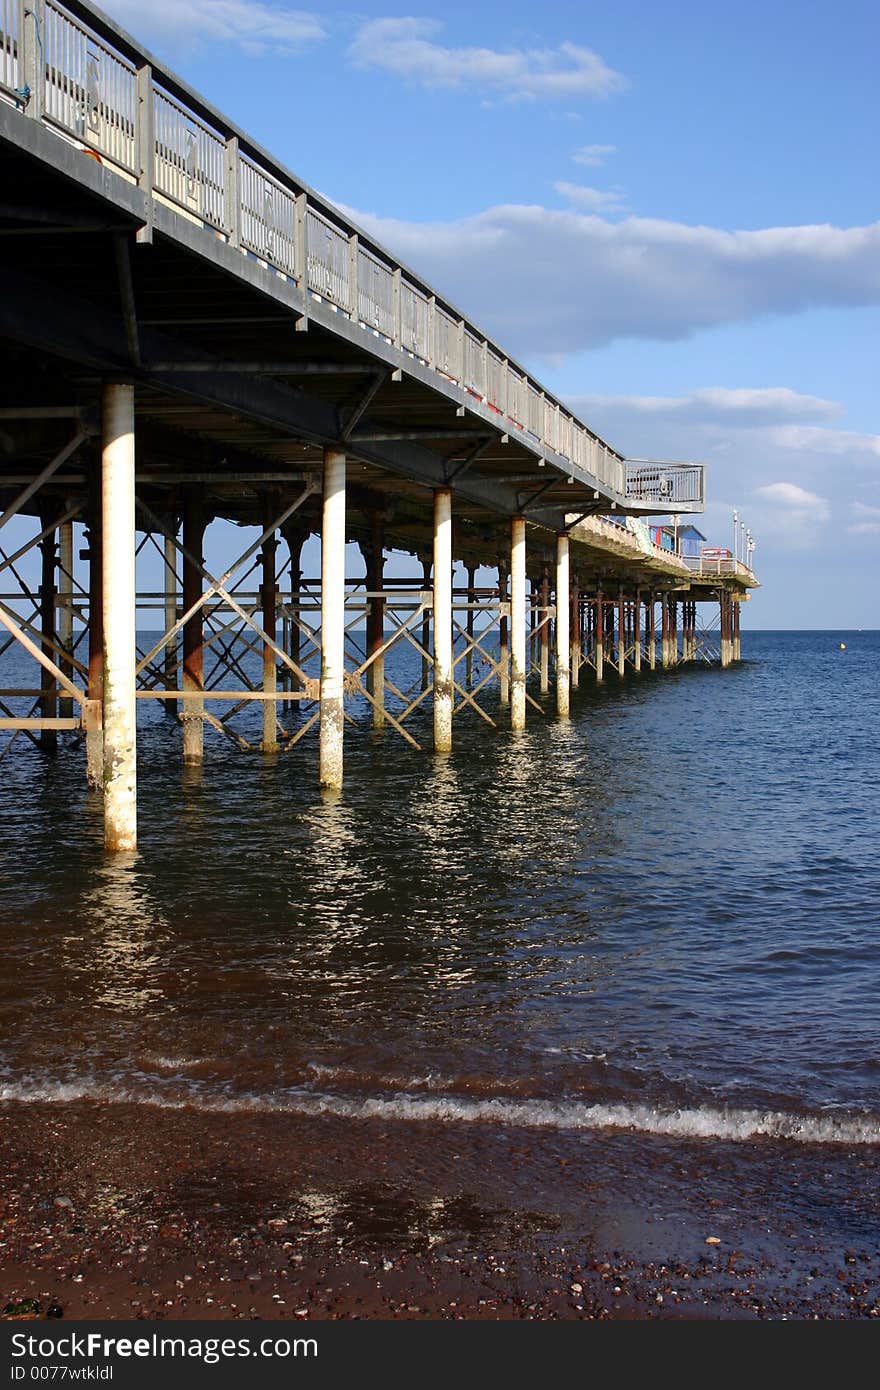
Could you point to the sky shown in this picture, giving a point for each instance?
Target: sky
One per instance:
(667, 211)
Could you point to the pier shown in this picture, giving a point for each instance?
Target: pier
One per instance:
(200, 355)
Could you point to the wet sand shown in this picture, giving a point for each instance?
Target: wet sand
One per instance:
(124, 1211)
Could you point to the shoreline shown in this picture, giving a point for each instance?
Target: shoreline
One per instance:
(114, 1211)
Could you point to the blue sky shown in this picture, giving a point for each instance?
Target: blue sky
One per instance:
(666, 210)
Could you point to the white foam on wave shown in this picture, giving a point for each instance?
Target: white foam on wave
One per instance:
(696, 1122)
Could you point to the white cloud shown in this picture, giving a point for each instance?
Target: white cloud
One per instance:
(867, 522)
(407, 48)
(592, 199)
(250, 25)
(593, 156)
(739, 407)
(792, 495)
(791, 513)
(548, 281)
(812, 439)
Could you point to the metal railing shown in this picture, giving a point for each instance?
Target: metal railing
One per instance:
(73, 69)
(668, 484)
(716, 563)
(10, 35)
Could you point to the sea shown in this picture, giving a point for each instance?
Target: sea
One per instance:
(659, 917)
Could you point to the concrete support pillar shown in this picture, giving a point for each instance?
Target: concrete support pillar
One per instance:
(545, 631)
(599, 636)
(575, 633)
(65, 608)
(95, 732)
(637, 631)
(651, 634)
(621, 634)
(332, 620)
(503, 636)
(49, 696)
(518, 623)
(443, 689)
(469, 627)
(269, 604)
(193, 629)
(374, 555)
(563, 628)
(170, 571)
(118, 562)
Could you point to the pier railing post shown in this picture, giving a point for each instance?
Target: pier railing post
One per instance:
(332, 620)
(563, 633)
(518, 622)
(443, 687)
(118, 562)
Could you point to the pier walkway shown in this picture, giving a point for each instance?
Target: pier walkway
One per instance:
(191, 337)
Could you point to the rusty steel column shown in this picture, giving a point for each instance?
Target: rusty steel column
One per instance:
(374, 556)
(269, 603)
(503, 635)
(621, 634)
(170, 587)
(332, 621)
(442, 613)
(563, 629)
(599, 636)
(65, 609)
(193, 629)
(48, 686)
(545, 631)
(426, 622)
(651, 629)
(725, 628)
(295, 536)
(119, 602)
(518, 622)
(469, 628)
(94, 730)
(665, 645)
(637, 631)
(575, 631)
(737, 643)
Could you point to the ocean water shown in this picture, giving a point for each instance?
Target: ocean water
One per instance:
(662, 916)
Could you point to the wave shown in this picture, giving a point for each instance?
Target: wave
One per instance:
(684, 1122)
